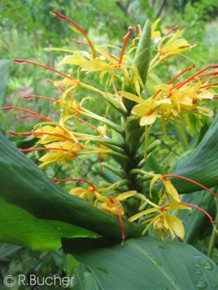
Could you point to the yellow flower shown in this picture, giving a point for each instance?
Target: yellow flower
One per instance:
(48, 133)
(60, 152)
(57, 139)
(84, 193)
(109, 204)
(155, 33)
(174, 45)
(171, 101)
(163, 221)
(149, 110)
(168, 190)
(167, 223)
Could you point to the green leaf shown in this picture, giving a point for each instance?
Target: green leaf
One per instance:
(145, 263)
(4, 74)
(19, 227)
(23, 184)
(201, 165)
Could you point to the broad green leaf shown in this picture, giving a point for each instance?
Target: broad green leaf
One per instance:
(201, 165)
(145, 263)
(4, 74)
(19, 227)
(23, 184)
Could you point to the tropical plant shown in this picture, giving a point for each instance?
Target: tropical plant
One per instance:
(100, 220)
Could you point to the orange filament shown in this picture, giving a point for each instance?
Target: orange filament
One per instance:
(32, 113)
(44, 66)
(192, 181)
(75, 180)
(123, 232)
(41, 97)
(79, 28)
(126, 39)
(210, 85)
(48, 148)
(181, 73)
(193, 77)
(200, 209)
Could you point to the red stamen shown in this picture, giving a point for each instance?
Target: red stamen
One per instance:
(40, 97)
(126, 39)
(27, 116)
(192, 181)
(123, 232)
(210, 85)
(193, 77)
(75, 180)
(35, 134)
(7, 108)
(14, 133)
(55, 135)
(156, 94)
(181, 73)
(163, 207)
(43, 66)
(25, 134)
(81, 42)
(32, 113)
(48, 148)
(200, 209)
(213, 74)
(171, 30)
(79, 28)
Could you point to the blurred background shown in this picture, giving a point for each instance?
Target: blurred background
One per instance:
(27, 27)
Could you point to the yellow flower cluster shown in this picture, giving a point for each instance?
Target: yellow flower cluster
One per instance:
(163, 216)
(123, 81)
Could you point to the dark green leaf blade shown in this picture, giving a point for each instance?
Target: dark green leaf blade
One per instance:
(201, 165)
(146, 263)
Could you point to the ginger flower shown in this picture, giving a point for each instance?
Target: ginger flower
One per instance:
(163, 219)
(60, 152)
(171, 101)
(172, 45)
(59, 141)
(111, 204)
(99, 59)
(163, 216)
(84, 193)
